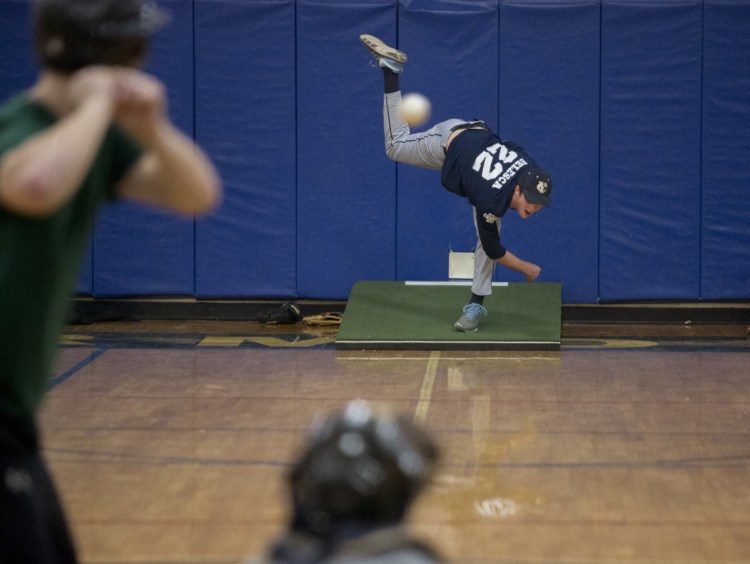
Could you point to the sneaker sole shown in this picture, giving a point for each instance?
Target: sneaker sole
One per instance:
(380, 49)
(457, 326)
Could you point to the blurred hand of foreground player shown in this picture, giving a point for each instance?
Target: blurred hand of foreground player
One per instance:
(141, 104)
(91, 84)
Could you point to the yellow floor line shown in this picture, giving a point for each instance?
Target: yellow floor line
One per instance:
(221, 342)
(276, 342)
(425, 394)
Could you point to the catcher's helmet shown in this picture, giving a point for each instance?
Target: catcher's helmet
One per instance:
(71, 34)
(360, 466)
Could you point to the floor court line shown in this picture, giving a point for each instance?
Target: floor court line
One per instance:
(94, 457)
(60, 378)
(484, 358)
(677, 464)
(425, 393)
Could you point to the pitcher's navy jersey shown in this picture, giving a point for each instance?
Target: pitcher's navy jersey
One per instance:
(483, 168)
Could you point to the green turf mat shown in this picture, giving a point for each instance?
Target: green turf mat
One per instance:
(400, 315)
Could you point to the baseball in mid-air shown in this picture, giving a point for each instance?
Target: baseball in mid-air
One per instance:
(415, 108)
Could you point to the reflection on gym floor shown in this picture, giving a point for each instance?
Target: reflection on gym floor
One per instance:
(170, 440)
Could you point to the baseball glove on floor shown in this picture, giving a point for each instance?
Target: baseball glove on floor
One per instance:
(287, 314)
(324, 319)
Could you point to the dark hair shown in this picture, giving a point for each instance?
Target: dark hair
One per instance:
(71, 34)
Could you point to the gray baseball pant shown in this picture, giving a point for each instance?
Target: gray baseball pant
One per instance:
(426, 149)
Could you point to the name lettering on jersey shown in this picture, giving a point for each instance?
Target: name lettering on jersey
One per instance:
(514, 168)
(491, 162)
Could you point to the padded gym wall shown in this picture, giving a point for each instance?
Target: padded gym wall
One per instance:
(18, 63)
(245, 119)
(725, 251)
(640, 109)
(452, 47)
(138, 250)
(346, 187)
(549, 103)
(650, 150)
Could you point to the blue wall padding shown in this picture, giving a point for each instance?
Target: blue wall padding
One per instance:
(346, 188)
(245, 119)
(650, 150)
(549, 103)
(139, 250)
(18, 66)
(726, 151)
(452, 49)
(639, 109)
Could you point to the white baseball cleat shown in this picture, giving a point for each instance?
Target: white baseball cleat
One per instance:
(384, 55)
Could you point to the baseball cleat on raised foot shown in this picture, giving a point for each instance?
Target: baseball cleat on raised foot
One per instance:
(384, 55)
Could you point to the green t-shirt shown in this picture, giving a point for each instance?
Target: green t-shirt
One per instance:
(40, 259)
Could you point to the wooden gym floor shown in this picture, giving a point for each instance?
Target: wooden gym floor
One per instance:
(169, 440)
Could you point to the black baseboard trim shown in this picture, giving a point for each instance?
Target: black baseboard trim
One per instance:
(90, 310)
(735, 313)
